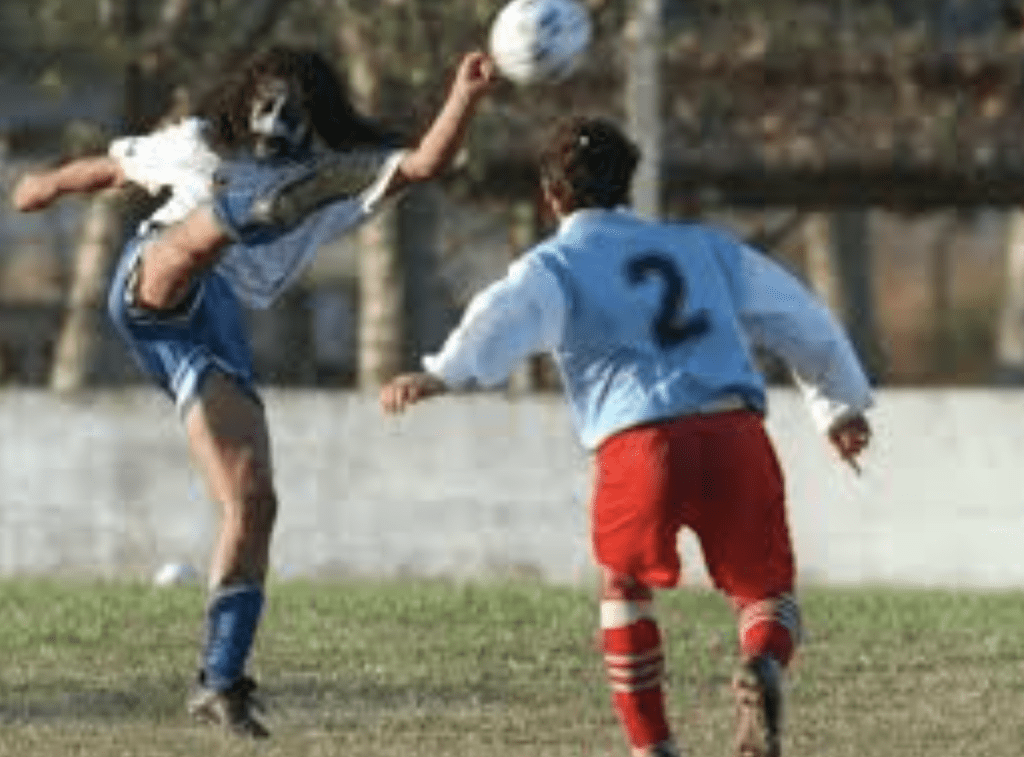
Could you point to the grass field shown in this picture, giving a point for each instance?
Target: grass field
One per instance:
(502, 670)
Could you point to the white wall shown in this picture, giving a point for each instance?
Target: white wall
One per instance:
(486, 485)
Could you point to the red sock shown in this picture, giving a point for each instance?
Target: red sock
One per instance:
(770, 626)
(635, 665)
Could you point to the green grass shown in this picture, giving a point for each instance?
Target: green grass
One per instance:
(434, 668)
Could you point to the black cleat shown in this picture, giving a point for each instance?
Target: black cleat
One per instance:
(318, 182)
(232, 708)
(757, 687)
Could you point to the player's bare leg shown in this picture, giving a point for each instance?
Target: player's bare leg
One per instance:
(228, 437)
(171, 261)
(635, 664)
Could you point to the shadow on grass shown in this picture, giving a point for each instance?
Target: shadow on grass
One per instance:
(151, 700)
(61, 701)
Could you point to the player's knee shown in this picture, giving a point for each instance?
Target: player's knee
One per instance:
(615, 585)
(172, 261)
(249, 500)
(259, 504)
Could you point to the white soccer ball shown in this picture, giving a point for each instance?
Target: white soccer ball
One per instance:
(175, 574)
(539, 40)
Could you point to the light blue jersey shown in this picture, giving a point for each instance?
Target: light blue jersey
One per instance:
(652, 330)
(650, 321)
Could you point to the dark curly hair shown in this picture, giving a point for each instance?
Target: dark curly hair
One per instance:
(590, 161)
(227, 106)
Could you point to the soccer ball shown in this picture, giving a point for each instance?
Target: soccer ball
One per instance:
(539, 40)
(175, 574)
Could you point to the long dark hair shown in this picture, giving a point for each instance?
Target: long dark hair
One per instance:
(226, 107)
(591, 161)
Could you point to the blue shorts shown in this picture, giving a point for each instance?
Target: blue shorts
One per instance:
(179, 348)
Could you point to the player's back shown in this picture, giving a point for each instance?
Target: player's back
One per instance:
(652, 329)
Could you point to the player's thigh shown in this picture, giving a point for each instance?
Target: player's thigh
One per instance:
(634, 515)
(741, 521)
(229, 439)
(178, 348)
(177, 255)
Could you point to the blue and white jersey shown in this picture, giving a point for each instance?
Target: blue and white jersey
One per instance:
(178, 157)
(650, 321)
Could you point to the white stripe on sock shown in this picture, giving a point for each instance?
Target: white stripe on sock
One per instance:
(619, 613)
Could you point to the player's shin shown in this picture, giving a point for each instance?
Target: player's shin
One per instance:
(232, 615)
(635, 665)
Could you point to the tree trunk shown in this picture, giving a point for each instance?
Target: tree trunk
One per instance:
(381, 300)
(818, 263)
(381, 273)
(943, 343)
(76, 343)
(643, 103)
(430, 312)
(839, 265)
(1010, 341)
(523, 234)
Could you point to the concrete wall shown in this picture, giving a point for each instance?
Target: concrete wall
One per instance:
(486, 485)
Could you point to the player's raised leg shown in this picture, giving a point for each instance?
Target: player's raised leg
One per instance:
(170, 261)
(228, 436)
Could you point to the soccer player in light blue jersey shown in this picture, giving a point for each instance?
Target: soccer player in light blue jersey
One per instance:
(653, 328)
(277, 163)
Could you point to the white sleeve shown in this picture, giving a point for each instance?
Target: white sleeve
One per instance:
(517, 316)
(170, 156)
(372, 195)
(782, 316)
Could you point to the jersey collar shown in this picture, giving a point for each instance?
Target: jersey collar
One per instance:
(589, 215)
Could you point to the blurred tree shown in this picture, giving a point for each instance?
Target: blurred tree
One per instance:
(644, 102)
(1010, 333)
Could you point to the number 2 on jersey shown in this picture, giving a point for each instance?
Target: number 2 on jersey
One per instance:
(668, 328)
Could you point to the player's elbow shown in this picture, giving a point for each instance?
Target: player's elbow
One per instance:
(417, 167)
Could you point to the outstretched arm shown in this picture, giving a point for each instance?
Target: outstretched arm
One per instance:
(435, 151)
(782, 316)
(519, 315)
(36, 190)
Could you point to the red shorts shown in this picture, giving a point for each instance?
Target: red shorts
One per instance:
(716, 474)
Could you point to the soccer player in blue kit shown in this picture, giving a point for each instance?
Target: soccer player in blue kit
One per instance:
(276, 163)
(653, 328)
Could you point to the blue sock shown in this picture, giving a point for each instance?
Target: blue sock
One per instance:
(231, 620)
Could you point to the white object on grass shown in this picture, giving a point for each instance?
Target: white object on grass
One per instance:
(175, 574)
